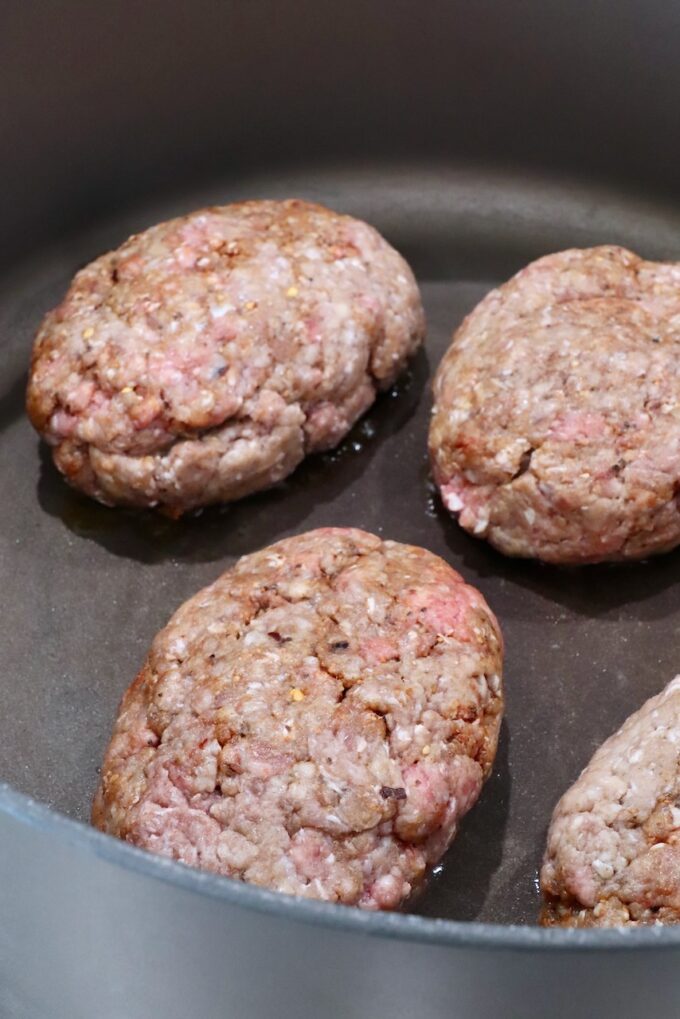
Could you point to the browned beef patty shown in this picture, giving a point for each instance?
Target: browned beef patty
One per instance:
(205, 357)
(556, 428)
(316, 721)
(613, 855)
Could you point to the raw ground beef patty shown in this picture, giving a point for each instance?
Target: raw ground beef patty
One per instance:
(205, 357)
(556, 427)
(317, 721)
(613, 855)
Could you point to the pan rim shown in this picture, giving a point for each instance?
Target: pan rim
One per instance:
(459, 934)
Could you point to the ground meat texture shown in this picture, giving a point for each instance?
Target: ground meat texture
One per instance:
(316, 721)
(556, 427)
(205, 357)
(613, 855)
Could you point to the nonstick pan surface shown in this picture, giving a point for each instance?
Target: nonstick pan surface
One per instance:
(85, 588)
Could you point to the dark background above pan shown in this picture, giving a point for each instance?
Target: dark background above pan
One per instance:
(104, 103)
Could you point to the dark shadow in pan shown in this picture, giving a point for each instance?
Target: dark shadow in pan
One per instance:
(459, 887)
(620, 589)
(237, 528)
(12, 402)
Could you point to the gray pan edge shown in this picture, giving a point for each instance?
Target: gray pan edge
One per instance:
(405, 927)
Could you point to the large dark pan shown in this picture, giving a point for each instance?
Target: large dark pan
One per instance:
(476, 136)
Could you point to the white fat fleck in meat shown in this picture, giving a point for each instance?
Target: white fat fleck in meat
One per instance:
(495, 683)
(481, 524)
(453, 502)
(254, 638)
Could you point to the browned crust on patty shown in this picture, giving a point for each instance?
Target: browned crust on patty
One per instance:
(205, 357)
(613, 850)
(317, 721)
(556, 427)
